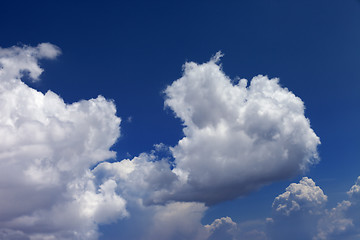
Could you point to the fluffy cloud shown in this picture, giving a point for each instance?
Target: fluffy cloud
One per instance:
(355, 189)
(16, 61)
(177, 221)
(297, 211)
(237, 137)
(300, 213)
(334, 221)
(47, 188)
(225, 228)
(342, 221)
(302, 196)
(222, 228)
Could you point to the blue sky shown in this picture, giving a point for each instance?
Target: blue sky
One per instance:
(131, 52)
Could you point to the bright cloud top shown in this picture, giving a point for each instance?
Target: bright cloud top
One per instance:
(238, 137)
(301, 213)
(299, 197)
(47, 151)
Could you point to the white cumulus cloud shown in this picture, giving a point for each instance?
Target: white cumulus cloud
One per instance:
(46, 152)
(334, 221)
(301, 213)
(302, 196)
(238, 137)
(355, 189)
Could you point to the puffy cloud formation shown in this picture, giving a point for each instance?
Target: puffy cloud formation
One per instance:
(177, 221)
(16, 61)
(355, 189)
(300, 213)
(334, 221)
(302, 196)
(47, 150)
(237, 137)
(223, 228)
(226, 229)
(297, 211)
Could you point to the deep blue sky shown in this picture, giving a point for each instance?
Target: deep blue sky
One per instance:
(130, 51)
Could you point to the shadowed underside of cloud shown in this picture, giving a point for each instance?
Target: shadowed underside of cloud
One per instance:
(237, 138)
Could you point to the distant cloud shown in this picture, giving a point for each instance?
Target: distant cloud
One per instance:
(300, 213)
(223, 228)
(303, 196)
(15, 61)
(334, 221)
(355, 189)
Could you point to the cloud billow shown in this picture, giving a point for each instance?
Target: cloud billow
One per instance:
(237, 138)
(301, 213)
(46, 153)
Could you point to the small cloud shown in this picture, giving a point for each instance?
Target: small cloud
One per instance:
(302, 196)
(236, 134)
(129, 119)
(355, 189)
(310, 219)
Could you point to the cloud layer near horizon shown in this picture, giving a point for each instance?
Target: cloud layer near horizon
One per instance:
(238, 137)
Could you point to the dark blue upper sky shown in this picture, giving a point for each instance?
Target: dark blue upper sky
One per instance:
(130, 51)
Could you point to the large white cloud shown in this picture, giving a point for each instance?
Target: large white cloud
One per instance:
(237, 137)
(46, 153)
